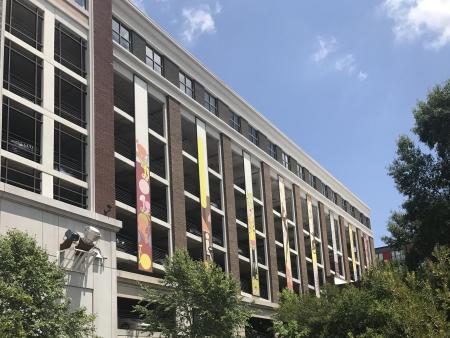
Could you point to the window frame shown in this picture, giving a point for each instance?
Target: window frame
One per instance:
(235, 122)
(150, 60)
(253, 135)
(210, 102)
(118, 37)
(183, 81)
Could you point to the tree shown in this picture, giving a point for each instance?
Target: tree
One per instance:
(198, 300)
(422, 174)
(389, 302)
(32, 294)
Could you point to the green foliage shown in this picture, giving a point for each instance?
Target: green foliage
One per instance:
(32, 293)
(198, 300)
(423, 176)
(389, 302)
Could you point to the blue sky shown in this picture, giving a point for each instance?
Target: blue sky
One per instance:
(347, 72)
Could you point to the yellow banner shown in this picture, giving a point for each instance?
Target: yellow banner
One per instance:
(284, 222)
(204, 191)
(251, 224)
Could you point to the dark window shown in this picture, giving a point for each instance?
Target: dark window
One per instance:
(70, 49)
(235, 122)
(21, 130)
(272, 150)
(70, 148)
(20, 175)
(285, 160)
(22, 73)
(70, 99)
(253, 135)
(210, 103)
(186, 85)
(24, 21)
(120, 34)
(69, 193)
(153, 59)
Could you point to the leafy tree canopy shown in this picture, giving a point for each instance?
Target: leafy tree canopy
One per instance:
(389, 302)
(198, 300)
(32, 293)
(421, 173)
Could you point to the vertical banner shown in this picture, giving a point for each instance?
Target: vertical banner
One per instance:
(353, 249)
(143, 215)
(333, 239)
(284, 222)
(313, 245)
(204, 191)
(366, 250)
(251, 224)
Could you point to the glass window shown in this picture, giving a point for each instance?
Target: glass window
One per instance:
(285, 160)
(22, 73)
(24, 21)
(82, 3)
(120, 34)
(235, 122)
(210, 103)
(153, 59)
(70, 99)
(21, 130)
(70, 49)
(186, 85)
(70, 152)
(299, 170)
(273, 150)
(254, 135)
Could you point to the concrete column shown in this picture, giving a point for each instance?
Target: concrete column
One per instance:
(323, 227)
(344, 248)
(176, 174)
(230, 207)
(301, 237)
(48, 102)
(270, 231)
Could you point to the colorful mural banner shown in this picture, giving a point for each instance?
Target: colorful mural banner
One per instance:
(366, 250)
(352, 248)
(142, 169)
(333, 242)
(204, 191)
(251, 224)
(313, 245)
(284, 222)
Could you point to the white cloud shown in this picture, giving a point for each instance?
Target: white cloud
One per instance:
(325, 46)
(427, 19)
(346, 63)
(198, 21)
(362, 75)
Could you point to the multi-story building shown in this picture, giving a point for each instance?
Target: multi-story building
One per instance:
(108, 122)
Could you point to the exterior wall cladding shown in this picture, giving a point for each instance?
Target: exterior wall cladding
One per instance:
(99, 104)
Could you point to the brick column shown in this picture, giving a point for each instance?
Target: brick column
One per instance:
(362, 258)
(323, 227)
(177, 202)
(230, 207)
(103, 108)
(301, 238)
(344, 248)
(270, 231)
